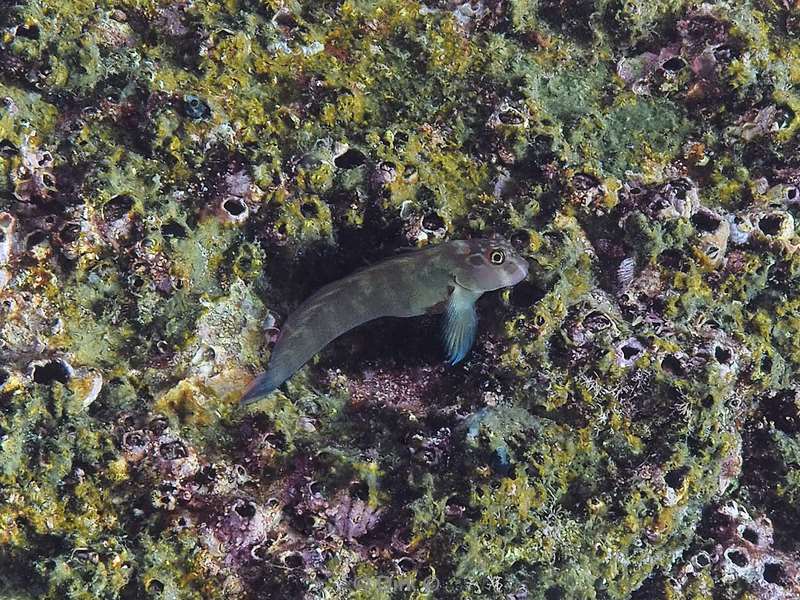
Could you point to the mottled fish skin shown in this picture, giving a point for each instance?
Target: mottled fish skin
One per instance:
(409, 285)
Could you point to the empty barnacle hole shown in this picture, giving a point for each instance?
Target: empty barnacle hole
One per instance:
(206, 475)
(783, 117)
(173, 450)
(7, 148)
(350, 159)
(701, 560)
(154, 586)
(245, 509)
(737, 556)
(791, 193)
(705, 221)
(309, 210)
(751, 535)
(405, 564)
(69, 232)
(775, 573)
(35, 238)
(723, 355)
(27, 30)
(173, 229)
(525, 294)
(158, 424)
(672, 258)
(672, 364)
(234, 208)
(433, 222)
(134, 440)
(583, 182)
(673, 64)
(676, 477)
(117, 207)
(48, 372)
(292, 559)
(260, 552)
(771, 224)
(629, 352)
(520, 239)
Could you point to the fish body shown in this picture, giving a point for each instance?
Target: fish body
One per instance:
(447, 278)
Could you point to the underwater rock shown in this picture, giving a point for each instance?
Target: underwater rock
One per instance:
(176, 176)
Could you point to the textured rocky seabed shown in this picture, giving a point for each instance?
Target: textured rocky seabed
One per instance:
(177, 175)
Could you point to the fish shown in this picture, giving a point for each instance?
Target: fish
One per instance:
(447, 279)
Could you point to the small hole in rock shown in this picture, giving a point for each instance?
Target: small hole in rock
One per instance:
(737, 557)
(705, 221)
(751, 535)
(117, 207)
(246, 510)
(173, 450)
(520, 239)
(554, 592)
(293, 560)
(195, 108)
(432, 222)
(672, 365)
(770, 224)
(774, 573)
(723, 355)
(674, 64)
(350, 159)
(154, 586)
(406, 564)
(510, 117)
(628, 352)
(173, 229)
(51, 371)
(400, 139)
(360, 489)
(309, 210)
(7, 148)
(234, 206)
(791, 193)
(525, 294)
(70, 232)
(672, 258)
(260, 551)
(158, 424)
(28, 31)
(133, 439)
(675, 477)
(35, 238)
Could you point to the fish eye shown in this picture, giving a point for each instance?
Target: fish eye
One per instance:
(497, 257)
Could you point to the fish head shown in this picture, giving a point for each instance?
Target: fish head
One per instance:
(487, 264)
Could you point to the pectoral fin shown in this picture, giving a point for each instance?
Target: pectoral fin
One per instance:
(460, 323)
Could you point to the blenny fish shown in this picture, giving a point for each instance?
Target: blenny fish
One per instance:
(447, 278)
